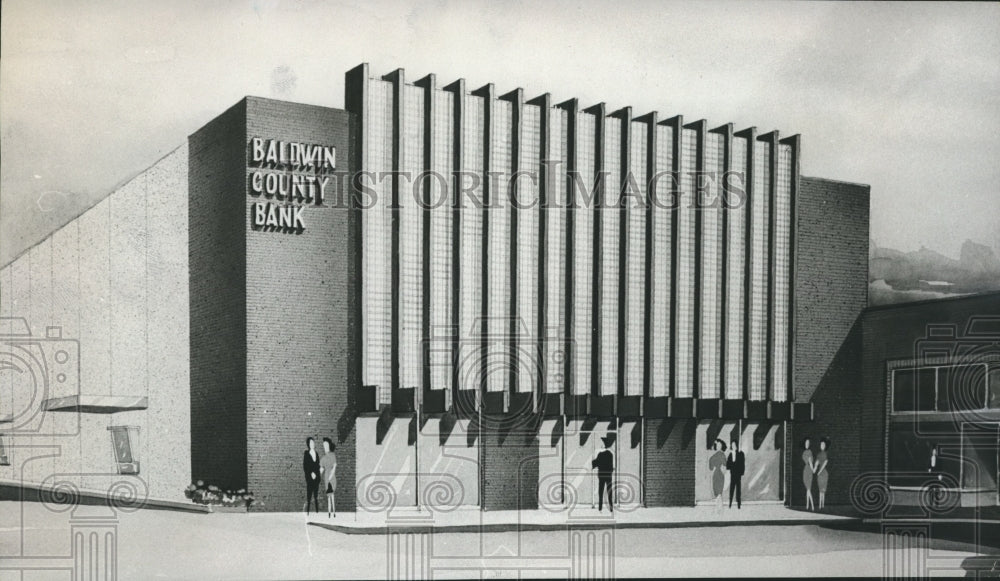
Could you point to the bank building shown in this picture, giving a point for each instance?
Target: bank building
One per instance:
(463, 289)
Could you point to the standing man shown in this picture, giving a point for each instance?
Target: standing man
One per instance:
(605, 464)
(736, 464)
(328, 468)
(310, 465)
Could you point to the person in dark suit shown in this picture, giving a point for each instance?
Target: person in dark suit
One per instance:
(311, 468)
(605, 464)
(736, 463)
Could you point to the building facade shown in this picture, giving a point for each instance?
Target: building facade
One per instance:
(468, 291)
(934, 372)
(95, 377)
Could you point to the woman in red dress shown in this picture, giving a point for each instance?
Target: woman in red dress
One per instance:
(808, 470)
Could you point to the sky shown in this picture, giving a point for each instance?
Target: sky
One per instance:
(902, 96)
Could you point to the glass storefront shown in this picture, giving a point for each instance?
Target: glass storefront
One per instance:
(762, 445)
(943, 426)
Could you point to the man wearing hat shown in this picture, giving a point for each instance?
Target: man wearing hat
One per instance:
(605, 464)
(736, 463)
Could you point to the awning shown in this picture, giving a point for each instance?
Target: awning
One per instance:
(96, 404)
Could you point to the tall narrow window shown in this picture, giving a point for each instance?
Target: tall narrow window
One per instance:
(635, 265)
(686, 267)
(659, 307)
(498, 267)
(583, 254)
(610, 267)
(442, 327)
(555, 254)
(528, 212)
(736, 267)
(471, 283)
(411, 222)
(376, 232)
(711, 270)
(759, 271)
(782, 273)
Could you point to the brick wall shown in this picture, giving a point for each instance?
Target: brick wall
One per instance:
(669, 450)
(831, 274)
(831, 291)
(302, 315)
(216, 254)
(509, 469)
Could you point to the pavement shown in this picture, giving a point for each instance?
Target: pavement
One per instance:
(980, 514)
(37, 542)
(462, 519)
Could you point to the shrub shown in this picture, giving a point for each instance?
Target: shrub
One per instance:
(213, 495)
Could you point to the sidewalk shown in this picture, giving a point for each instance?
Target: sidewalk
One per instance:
(31, 492)
(474, 520)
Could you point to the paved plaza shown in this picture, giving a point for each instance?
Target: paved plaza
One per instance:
(160, 544)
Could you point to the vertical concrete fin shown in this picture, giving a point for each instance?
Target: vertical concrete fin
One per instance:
(676, 123)
(771, 139)
(750, 134)
(795, 142)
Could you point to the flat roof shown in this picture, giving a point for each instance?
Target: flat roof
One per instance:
(921, 302)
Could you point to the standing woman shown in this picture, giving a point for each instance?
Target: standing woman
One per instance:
(328, 468)
(822, 474)
(808, 470)
(310, 466)
(717, 465)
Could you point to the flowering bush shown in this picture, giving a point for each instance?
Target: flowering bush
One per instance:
(201, 494)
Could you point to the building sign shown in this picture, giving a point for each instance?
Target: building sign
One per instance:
(288, 177)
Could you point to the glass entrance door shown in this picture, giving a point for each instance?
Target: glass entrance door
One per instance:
(581, 447)
(979, 460)
(597, 446)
